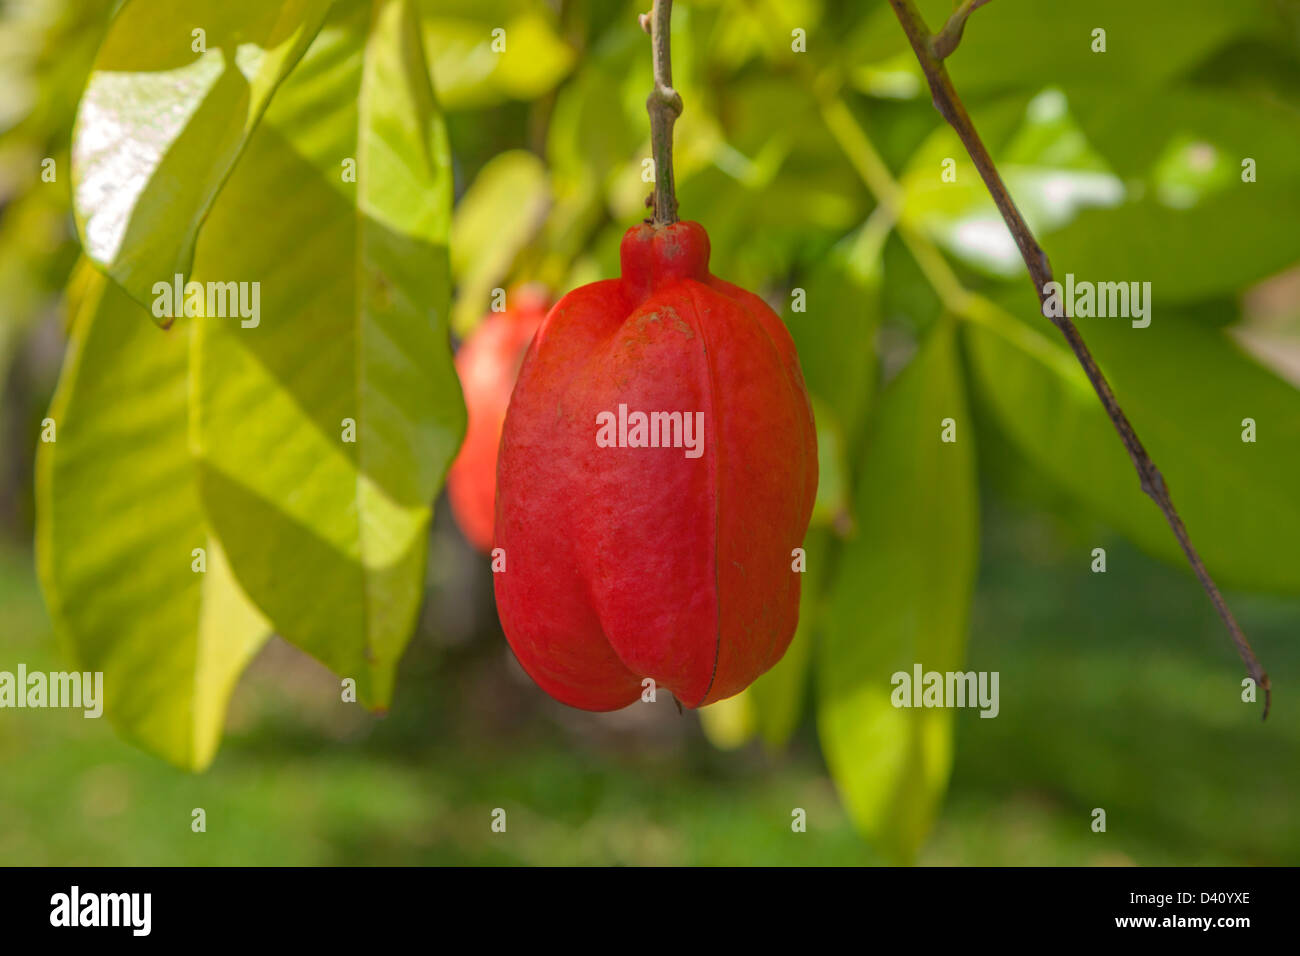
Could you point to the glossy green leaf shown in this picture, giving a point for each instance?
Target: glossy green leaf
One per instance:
(118, 524)
(499, 213)
(1187, 389)
(901, 597)
(176, 91)
(324, 430)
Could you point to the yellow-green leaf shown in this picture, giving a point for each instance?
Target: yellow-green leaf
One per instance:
(901, 597)
(176, 91)
(120, 534)
(325, 428)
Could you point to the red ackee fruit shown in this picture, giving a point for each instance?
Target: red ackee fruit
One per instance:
(642, 560)
(487, 364)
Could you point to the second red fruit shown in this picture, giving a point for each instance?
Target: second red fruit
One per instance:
(487, 364)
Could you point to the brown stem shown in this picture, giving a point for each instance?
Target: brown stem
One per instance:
(950, 106)
(664, 106)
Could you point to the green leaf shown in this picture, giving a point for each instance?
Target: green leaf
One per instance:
(160, 125)
(1236, 124)
(1186, 388)
(328, 535)
(474, 68)
(835, 332)
(1029, 44)
(495, 219)
(1048, 166)
(1223, 243)
(118, 519)
(1184, 220)
(1012, 41)
(901, 597)
(1192, 227)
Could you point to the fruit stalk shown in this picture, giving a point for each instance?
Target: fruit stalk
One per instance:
(664, 106)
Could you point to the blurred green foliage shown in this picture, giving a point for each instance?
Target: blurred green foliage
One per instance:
(819, 169)
(1119, 708)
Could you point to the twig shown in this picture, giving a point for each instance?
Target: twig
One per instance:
(664, 106)
(950, 106)
(946, 40)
